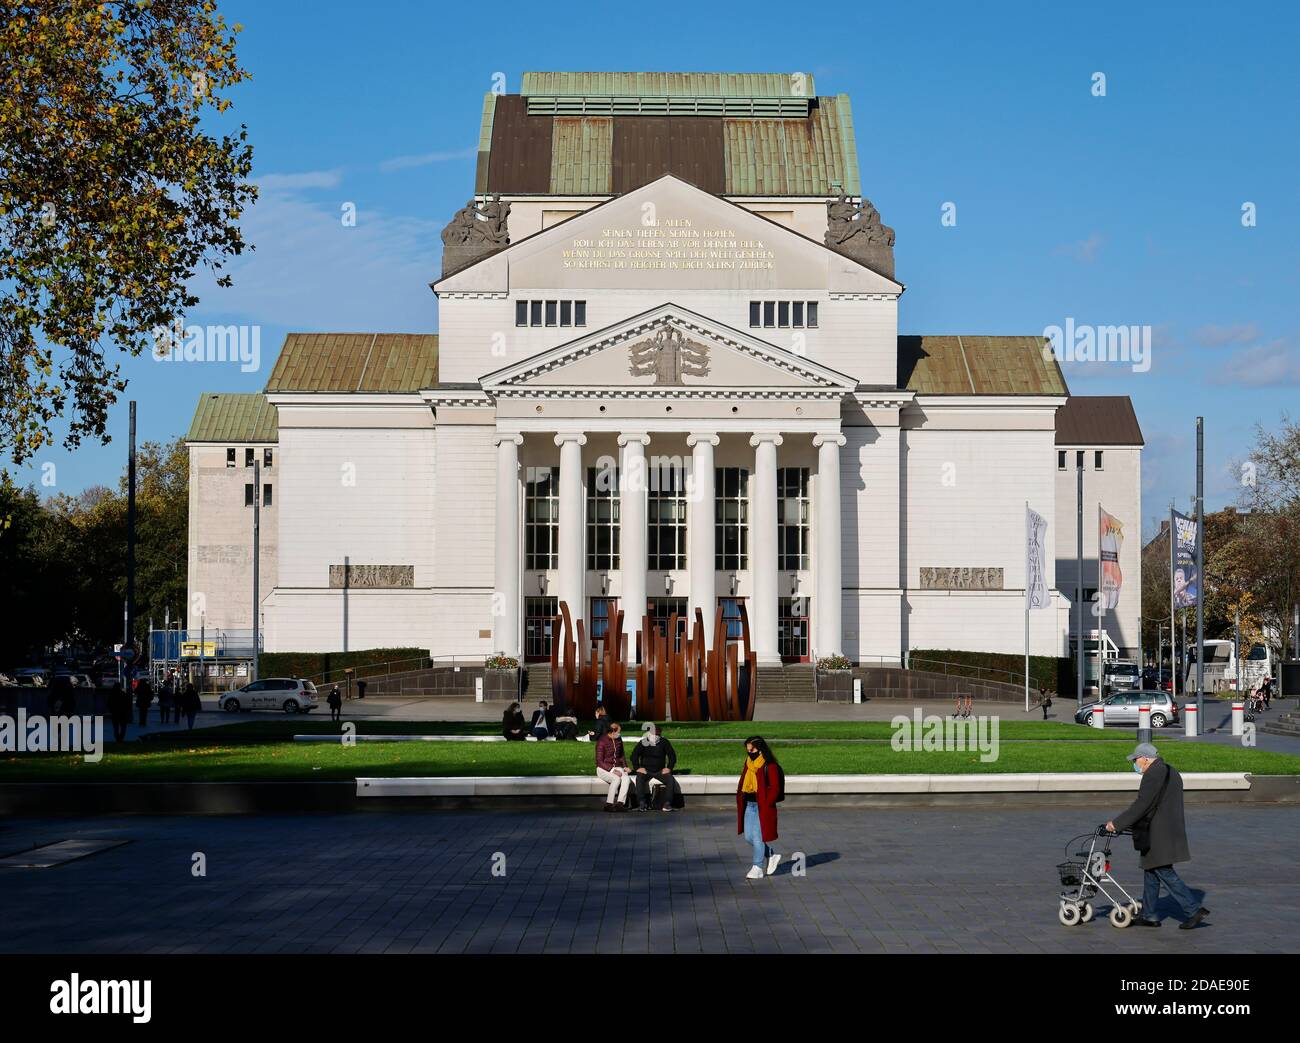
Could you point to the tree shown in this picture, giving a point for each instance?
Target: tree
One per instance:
(112, 196)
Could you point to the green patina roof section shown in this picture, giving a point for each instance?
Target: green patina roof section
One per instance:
(356, 362)
(227, 417)
(484, 142)
(812, 156)
(582, 155)
(952, 365)
(670, 84)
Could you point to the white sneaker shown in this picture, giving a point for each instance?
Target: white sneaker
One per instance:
(755, 873)
(773, 861)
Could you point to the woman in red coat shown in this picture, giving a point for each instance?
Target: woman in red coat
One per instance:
(757, 793)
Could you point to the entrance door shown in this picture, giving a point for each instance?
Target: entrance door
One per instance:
(792, 630)
(539, 616)
(603, 613)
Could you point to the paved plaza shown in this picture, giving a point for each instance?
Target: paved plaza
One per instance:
(904, 880)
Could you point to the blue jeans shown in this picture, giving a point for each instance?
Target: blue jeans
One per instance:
(1151, 881)
(754, 834)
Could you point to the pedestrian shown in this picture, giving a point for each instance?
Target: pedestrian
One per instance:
(335, 700)
(143, 699)
(1045, 701)
(1159, 835)
(512, 723)
(611, 768)
(543, 726)
(602, 725)
(166, 700)
(760, 789)
(653, 761)
(361, 689)
(190, 702)
(119, 711)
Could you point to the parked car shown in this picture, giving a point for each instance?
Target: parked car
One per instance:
(290, 694)
(1123, 707)
(31, 675)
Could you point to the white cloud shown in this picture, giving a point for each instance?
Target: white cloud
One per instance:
(1275, 364)
(1085, 250)
(311, 271)
(1217, 336)
(297, 182)
(426, 159)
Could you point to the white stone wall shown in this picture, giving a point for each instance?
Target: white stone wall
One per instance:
(358, 485)
(1118, 487)
(221, 537)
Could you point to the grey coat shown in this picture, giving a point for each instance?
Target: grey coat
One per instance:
(1168, 831)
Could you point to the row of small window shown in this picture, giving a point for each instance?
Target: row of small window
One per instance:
(268, 455)
(248, 495)
(666, 530)
(783, 314)
(550, 313)
(1062, 457)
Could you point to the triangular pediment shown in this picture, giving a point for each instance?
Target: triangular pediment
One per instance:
(668, 235)
(668, 350)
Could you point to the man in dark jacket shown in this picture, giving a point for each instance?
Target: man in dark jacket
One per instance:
(143, 699)
(653, 758)
(119, 711)
(1160, 836)
(543, 726)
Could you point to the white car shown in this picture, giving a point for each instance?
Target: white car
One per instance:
(290, 694)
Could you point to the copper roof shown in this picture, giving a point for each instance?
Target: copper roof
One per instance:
(608, 133)
(356, 362)
(952, 365)
(1098, 420)
(227, 417)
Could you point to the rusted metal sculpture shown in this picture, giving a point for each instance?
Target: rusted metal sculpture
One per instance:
(676, 670)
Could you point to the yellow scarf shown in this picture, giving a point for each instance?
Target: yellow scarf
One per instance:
(752, 768)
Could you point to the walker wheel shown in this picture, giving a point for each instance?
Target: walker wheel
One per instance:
(1068, 914)
(1120, 916)
(1087, 913)
(1135, 907)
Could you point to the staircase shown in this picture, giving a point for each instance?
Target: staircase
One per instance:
(787, 683)
(537, 681)
(1286, 724)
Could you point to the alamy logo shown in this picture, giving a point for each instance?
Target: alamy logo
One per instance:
(93, 996)
(1080, 343)
(933, 734)
(38, 734)
(181, 343)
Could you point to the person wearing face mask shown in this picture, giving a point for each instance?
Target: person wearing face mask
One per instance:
(760, 789)
(1159, 835)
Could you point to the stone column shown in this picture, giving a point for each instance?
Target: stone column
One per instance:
(506, 605)
(700, 542)
(633, 482)
(572, 566)
(762, 547)
(828, 592)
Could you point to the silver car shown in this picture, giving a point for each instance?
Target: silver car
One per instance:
(1123, 708)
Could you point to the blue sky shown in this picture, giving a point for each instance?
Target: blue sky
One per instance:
(1122, 209)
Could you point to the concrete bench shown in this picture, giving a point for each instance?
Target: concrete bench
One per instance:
(720, 785)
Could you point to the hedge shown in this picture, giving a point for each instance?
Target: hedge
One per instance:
(328, 666)
(1051, 673)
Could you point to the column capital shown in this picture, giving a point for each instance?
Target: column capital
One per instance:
(835, 439)
(570, 436)
(759, 437)
(702, 436)
(639, 437)
(503, 436)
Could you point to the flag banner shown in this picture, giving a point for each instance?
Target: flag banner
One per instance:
(1109, 538)
(1035, 559)
(1186, 581)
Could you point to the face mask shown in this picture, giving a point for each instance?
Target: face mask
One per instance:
(1137, 767)
(753, 755)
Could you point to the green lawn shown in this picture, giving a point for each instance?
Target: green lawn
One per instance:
(200, 761)
(286, 727)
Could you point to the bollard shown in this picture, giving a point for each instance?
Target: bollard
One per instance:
(1238, 716)
(1144, 718)
(1189, 720)
(1098, 716)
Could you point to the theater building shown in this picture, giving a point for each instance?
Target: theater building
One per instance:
(668, 375)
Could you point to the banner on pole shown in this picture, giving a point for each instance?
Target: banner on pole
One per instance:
(1109, 538)
(1185, 580)
(1035, 559)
